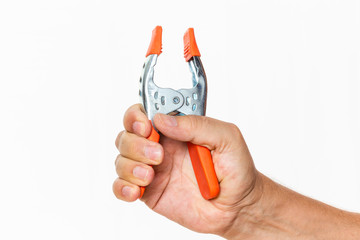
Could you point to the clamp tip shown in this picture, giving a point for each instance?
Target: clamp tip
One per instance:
(156, 42)
(190, 47)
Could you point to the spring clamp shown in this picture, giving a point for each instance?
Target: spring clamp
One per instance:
(190, 101)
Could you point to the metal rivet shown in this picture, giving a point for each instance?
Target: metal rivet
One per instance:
(176, 100)
(140, 93)
(187, 101)
(162, 100)
(195, 96)
(157, 106)
(156, 95)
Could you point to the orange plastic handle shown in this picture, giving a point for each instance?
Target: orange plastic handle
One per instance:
(155, 137)
(204, 170)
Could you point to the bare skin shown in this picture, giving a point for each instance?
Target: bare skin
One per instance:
(249, 206)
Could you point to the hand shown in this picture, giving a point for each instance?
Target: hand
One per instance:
(171, 187)
(249, 206)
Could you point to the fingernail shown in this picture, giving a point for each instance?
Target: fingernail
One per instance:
(139, 128)
(152, 152)
(170, 121)
(140, 172)
(126, 191)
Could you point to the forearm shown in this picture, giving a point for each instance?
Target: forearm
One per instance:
(281, 213)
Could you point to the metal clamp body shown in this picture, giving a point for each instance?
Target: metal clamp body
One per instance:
(190, 101)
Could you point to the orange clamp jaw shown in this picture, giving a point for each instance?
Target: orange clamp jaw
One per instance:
(190, 47)
(156, 42)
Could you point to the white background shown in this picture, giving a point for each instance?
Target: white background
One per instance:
(286, 72)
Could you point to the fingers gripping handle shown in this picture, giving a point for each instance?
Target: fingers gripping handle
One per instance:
(203, 167)
(204, 170)
(155, 137)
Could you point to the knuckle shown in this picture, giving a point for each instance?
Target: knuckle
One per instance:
(192, 124)
(206, 121)
(120, 166)
(122, 142)
(235, 131)
(117, 140)
(134, 114)
(132, 146)
(117, 159)
(137, 146)
(132, 111)
(126, 144)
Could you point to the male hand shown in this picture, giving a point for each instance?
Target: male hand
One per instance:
(171, 187)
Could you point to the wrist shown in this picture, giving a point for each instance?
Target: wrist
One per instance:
(279, 213)
(257, 218)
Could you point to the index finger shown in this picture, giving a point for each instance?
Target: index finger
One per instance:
(136, 121)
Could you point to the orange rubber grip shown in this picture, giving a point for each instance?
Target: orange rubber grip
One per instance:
(190, 47)
(204, 170)
(156, 42)
(155, 137)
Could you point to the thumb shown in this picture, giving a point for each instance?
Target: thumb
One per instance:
(200, 130)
